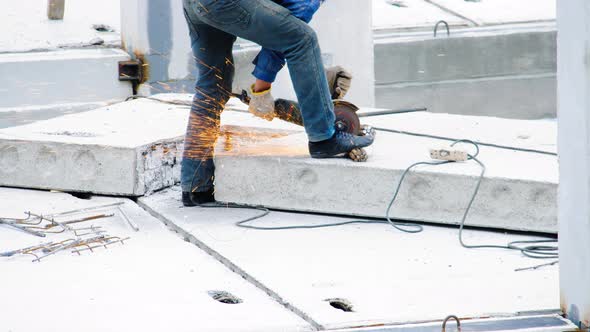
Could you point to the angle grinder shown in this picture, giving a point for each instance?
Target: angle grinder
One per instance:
(346, 119)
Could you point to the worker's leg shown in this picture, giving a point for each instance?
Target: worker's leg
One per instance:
(268, 63)
(272, 26)
(212, 50)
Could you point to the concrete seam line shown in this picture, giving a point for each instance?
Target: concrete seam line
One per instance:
(232, 267)
(452, 12)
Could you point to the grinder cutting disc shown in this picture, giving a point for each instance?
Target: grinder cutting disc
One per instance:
(346, 118)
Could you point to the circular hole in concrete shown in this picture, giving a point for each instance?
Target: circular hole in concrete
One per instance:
(225, 297)
(340, 304)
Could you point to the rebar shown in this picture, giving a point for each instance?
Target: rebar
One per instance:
(85, 238)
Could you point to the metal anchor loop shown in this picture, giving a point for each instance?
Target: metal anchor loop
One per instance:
(446, 26)
(444, 325)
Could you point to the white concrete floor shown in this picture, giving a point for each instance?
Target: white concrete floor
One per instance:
(157, 281)
(388, 276)
(154, 282)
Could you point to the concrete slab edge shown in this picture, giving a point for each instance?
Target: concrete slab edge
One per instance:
(540, 322)
(187, 236)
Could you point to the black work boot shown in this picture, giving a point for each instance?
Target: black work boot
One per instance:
(341, 143)
(197, 198)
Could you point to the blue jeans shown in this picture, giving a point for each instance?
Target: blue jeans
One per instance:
(268, 62)
(213, 26)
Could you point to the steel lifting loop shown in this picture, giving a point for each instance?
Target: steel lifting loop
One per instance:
(444, 325)
(446, 26)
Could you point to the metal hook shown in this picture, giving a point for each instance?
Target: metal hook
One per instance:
(446, 25)
(444, 325)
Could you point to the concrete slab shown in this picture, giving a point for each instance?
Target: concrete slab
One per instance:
(125, 149)
(506, 71)
(518, 191)
(512, 97)
(58, 79)
(25, 26)
(155, 276)
(99, 152)
(410, 15)
(389, 277)
(502, 11)
(466, 54)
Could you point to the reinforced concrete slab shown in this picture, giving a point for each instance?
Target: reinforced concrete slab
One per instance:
(154, 282)
(387, 276)
(518, 191)
(42, 80)
(130, 148)
(25, 26)
(502, 11)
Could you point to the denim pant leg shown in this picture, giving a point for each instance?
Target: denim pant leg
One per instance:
(268, 63)
(212, 50)
(274, 27)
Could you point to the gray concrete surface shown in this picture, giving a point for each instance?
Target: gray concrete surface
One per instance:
(41, 80)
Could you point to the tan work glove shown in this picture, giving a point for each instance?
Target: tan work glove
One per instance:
(262, 104)
(339, 80)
